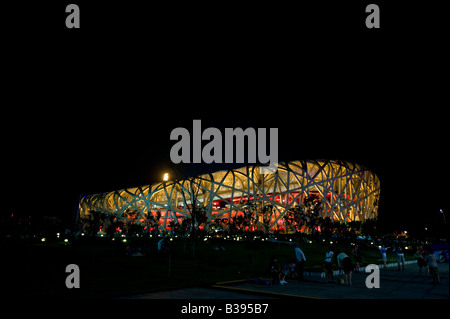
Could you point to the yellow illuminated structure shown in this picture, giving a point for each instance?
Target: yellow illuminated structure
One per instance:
(339, 190)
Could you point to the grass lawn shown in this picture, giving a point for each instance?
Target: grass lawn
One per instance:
(38, 270)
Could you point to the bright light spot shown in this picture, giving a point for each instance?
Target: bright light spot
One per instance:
(43, 239)
(124, 240)
(66, 240)
(166, 177)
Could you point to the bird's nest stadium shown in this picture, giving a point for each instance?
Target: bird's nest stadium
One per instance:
(342, 191)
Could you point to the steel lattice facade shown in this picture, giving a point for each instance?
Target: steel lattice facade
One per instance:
(340, 190)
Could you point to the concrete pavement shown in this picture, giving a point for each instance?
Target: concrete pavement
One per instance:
(408, 284)
(394, 284)
(198, 293)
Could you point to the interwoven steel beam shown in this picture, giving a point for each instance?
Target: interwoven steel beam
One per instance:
(343, 191)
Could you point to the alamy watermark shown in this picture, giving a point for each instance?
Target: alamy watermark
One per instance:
(73, 18)
(213, 151)
(73, 279)
(373, 280)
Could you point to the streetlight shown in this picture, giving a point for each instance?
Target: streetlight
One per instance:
(442, 212)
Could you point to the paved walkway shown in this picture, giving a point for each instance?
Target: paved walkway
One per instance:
(393, 285)
(199, 293)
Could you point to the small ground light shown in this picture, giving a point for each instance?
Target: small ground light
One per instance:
(43, 239)
(66, 240)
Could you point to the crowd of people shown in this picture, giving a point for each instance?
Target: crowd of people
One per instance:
(294, 268)
(428, 260)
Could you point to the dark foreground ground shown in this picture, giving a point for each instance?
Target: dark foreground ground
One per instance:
(37, 270)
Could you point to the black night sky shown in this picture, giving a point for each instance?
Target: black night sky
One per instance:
(92, 111)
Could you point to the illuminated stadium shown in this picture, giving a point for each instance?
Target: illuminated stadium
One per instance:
(342, 191)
